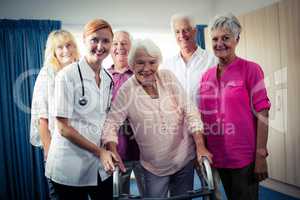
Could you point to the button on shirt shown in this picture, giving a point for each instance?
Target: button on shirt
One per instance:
(158, 124)
(127, 146)
(67, 163)
(42, 103)
(228, 108)
(189, 74)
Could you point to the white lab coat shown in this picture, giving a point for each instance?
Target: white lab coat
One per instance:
(42, 103)
(67, 163)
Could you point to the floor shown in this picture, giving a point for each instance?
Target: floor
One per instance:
(265, 193)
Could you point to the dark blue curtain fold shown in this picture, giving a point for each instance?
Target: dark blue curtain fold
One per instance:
(22, 44)
(200, 35)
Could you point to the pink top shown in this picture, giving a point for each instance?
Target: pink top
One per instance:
(228, 108)
(158, 124)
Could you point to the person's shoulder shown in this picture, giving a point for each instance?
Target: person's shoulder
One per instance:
(68, 72)
(173, 57)
(249, 65)
(209, 73)
(129, 84)
(42, 73)
(204, 53)
(108, 74)
(170, 61)
(69, 69)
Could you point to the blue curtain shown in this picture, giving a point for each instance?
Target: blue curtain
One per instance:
(22, 44)
(200, 35)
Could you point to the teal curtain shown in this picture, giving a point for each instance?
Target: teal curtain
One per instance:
(22, 44)
(200, 35)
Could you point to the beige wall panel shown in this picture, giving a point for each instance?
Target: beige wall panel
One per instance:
(263, 47)
(207, 40)
(254, 34)
(289, 17)
(241, 48)
(273, 74)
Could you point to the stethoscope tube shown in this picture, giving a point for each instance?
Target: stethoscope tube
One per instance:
(83, 101)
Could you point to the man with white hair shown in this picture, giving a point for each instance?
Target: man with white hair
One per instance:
(189, 64)
(192, 61)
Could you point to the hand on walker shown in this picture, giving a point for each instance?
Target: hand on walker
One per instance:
(108, 160)
(203, 152)
(119, 162)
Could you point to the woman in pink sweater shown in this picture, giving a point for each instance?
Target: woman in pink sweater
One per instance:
(166, 127)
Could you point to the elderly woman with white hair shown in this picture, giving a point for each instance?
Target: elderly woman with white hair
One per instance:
(155, 104)
(234, 106)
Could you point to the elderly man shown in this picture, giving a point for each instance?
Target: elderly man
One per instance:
(127, 146)
(190, 63)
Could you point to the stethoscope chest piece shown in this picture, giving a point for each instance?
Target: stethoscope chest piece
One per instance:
(82, 101)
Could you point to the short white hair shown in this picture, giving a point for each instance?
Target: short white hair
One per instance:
(148, 46)
(182, 16)
(126, 32)
(227, 21)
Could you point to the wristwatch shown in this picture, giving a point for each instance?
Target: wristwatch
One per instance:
(262, 152)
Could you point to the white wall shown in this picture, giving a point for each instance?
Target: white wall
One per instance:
(239, 7)
(130, 13)
(142, 18)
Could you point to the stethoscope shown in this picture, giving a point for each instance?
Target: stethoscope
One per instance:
(83, 100)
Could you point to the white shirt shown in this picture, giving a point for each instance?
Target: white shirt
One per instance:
(67, 163)
(189, 74)
(42, 103)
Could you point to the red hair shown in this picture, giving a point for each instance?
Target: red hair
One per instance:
(95, 25)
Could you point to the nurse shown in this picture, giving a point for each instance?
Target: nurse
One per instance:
(61, 50)
(82, 99)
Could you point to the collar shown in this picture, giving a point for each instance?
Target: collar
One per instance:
(113, 72)
(198, 52)
(86, 71)
(233, 63)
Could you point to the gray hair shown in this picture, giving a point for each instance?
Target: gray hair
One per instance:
(126, 32)
(227, 21)
(147, 45)
(181, 16)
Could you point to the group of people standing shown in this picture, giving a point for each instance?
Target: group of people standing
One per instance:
(156, 118)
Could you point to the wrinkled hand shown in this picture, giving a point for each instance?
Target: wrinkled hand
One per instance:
(119, 162)
(203, 152)
(108, 160)
(261, 168)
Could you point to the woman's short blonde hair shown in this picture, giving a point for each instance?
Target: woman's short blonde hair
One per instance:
(56, 38)
(148, 46)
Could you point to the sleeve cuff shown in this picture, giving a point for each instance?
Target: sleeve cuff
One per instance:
(110, 138)
(63, 114)
(262, 105)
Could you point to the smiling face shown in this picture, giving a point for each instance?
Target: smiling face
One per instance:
(120, 47)
(65, 53)
(184, 33)
(223, 43)
(145, 67)
(98, 45)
